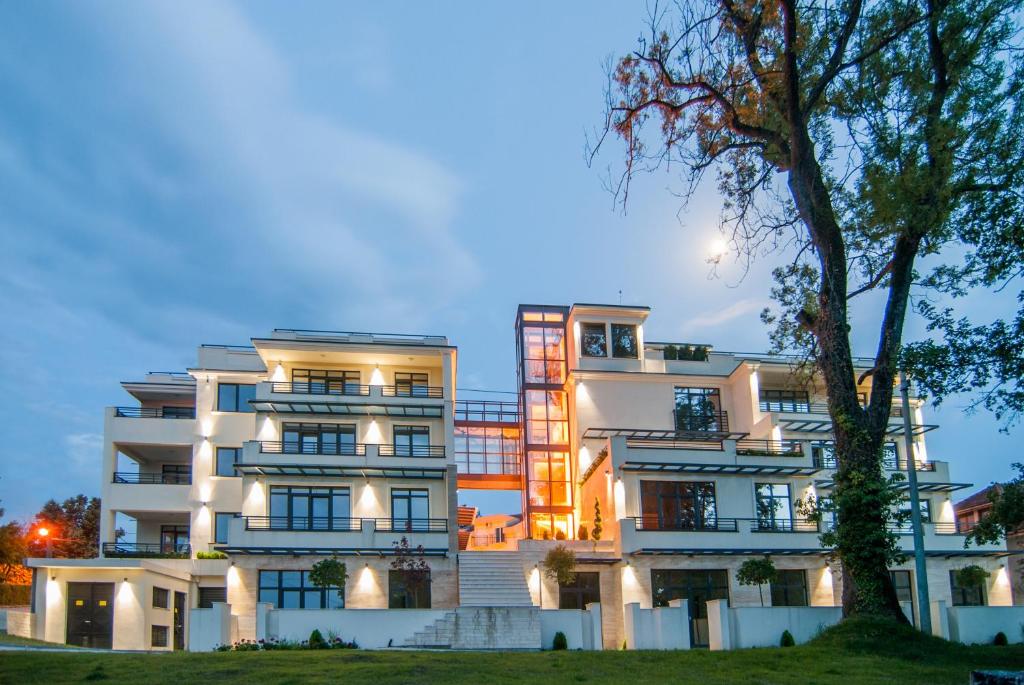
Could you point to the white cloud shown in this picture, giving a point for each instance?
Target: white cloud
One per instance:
(718, 317)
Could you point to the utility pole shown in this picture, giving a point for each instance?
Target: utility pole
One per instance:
(924, 606)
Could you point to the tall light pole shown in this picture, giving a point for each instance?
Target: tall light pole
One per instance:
(924, 607)
(44, 533)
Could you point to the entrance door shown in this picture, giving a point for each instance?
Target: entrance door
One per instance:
(695, 585)
(179, 620)
(90, 615)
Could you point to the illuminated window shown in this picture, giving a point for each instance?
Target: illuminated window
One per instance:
(295, 590)
(593, 340)
(549, 479)
(544, 355)
(489, 449)
(550, 526)
(323, 382)
(547, 417)
(624, 343)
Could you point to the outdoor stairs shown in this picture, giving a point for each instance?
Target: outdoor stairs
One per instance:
(492, 579)
(501, 628)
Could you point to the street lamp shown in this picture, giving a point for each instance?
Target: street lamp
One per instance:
(44, 533)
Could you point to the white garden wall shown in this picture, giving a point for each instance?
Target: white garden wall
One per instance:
(763, 626)
(370, 628)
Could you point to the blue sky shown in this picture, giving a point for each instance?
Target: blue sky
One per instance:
(178, 174)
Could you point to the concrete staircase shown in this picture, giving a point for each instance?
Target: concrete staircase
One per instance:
(492, 579)
(504, 628)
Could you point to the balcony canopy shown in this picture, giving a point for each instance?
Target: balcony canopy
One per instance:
(724, 469)
(347, 408)
(924, 486)
(668, 436)
(819, 425)
(332, 471)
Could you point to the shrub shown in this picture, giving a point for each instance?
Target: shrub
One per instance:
(560, 565)
(316, 640)
(1000, 639)
(559, 535)
(560, 642)
(597, 520)
(583, 533)
(787, 639)
(211, 555)
(971, 576)
(15, 595)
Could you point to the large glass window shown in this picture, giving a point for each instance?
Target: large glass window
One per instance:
(901, 581)
(487, 449)
(235, 397)
(675, 505)
(549, 479)
(293, 508)
(326, 382)
(227, 457)
(789, 588)
(926, 510)
(412, 385)
(408, 589)
(547, 420)
(319, 438)
(593, 340)
(544, 358)
(210, 594)
(294, 590)
(698, 409)
(412, 441)
(624, 344)
(785, 400)
(824, 454)
(966, 596)
(773, 506)
(585, 589)
(221, 525)
(410, 510)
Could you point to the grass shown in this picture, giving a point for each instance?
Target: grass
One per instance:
(853, 653)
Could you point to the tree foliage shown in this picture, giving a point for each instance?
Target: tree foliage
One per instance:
(757, 572)
(412, 563)
(598, 527)
(330, 573)
(560, 565)
(13, 551)
(854, 139)
(971, 576)
(1006, 515)
(74, 526)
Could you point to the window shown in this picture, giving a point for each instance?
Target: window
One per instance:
(158, 636)
(593, 340)
(696, 586)
(173, 539)
(412, 385)
(161, 598)
(411, 441)
(221, 524)
(227, 457)
(209, 595)
(699, 409)
(966, 596)
(323, 382)
(828, 512)
(785, 400)
(319, 438)
(544, 355)
(772, 504)
(789, 589)
(178, 412)
(293, 590)
(547, 420)
(675, 505)
(176, 474)
(926, 510)
(235, 397)
(585, 589)
(487, 449)
(901, 581)
(549, 479)
(624, 341)
(295, 508)
(410, 510)
(824, 454)
(408, 589)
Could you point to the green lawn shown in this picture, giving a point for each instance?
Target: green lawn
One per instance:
(866, 653)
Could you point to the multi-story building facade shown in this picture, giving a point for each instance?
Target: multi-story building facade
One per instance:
(682, 460)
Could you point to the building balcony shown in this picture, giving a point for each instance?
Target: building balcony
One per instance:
(298, 535)
(155, 412)
(151, 426)
(349, 399)
(146, 550)
(268, 451)
(152, 492)
(322, 523)
(132, 478)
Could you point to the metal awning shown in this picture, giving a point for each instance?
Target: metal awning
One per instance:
(661, 435)
(331, 471)
(812, 425)
(924, 486)
(325, 551)
(347, 408)
(732, 551)
(725, 469)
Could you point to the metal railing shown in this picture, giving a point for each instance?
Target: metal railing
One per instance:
(129, 478)
(147, 549)
(354, 449)
(712, 422)
(412, 390)
(764, 525)
(798, 407)
(828, 461)
(390, 450)
(716, 525)
(487, 411)
(329, 387)
(155, 412)
(412, 525)
(769, 448)
(302, 523)
(486, 465)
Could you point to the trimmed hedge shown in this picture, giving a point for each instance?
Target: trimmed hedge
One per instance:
(15, 595)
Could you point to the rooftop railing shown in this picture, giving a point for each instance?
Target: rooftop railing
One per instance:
(153, 550)
(155, 412)
(357, 336)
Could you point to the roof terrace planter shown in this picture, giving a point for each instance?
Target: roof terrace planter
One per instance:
(155, 412)
(146, 550)
(126, 478)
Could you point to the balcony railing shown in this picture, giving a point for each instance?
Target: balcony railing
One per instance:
(769, 448)
(716, 525)
(412, 390)
(487, 411)
(412, 525)
(764, 525)
(828, 461)
(338, 387)
(302, 523)
(152, 478)
(147, 550)
(155, 412)
(800, 407)
(711, 422)
(389, 450)
(355, 449)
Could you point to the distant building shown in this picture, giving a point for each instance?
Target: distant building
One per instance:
(970, 510)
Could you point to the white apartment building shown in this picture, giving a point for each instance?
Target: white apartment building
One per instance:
(309, 444)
